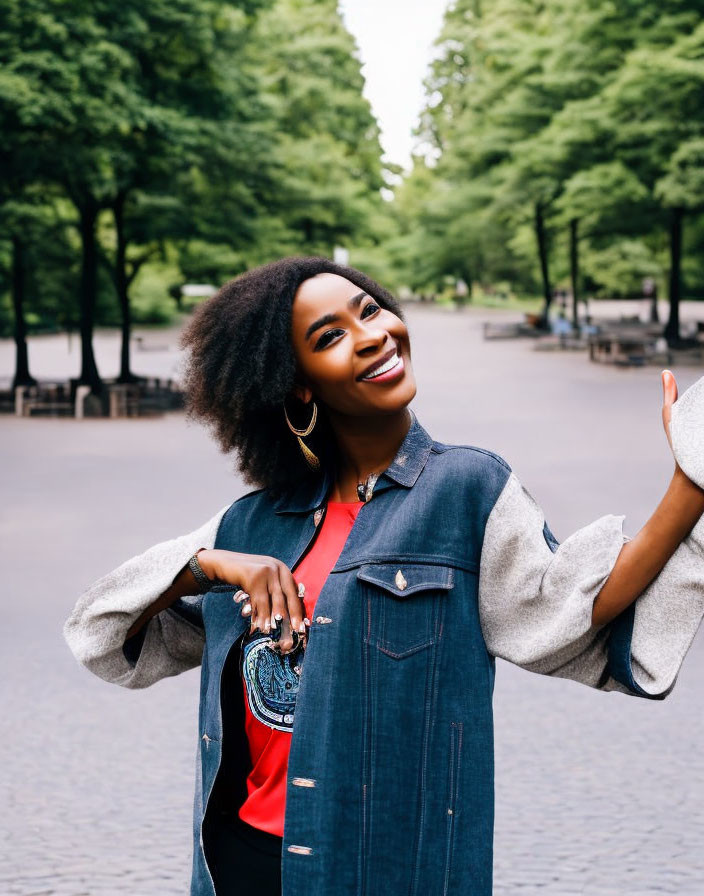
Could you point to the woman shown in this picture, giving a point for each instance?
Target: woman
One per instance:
(365, 588)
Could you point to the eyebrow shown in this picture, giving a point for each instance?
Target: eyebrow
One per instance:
(354, 302)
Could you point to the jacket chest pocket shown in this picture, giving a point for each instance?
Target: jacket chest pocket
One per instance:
(404, 605)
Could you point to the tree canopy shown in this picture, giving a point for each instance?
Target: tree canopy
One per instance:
(202, 136)
(549, 122)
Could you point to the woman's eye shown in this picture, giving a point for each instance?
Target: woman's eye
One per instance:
(329, 335)
(326, 338)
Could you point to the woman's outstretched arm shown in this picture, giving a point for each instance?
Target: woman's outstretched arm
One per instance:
(643, 557)
(537, 597)
(136, 625)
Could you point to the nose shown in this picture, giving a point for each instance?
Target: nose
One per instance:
(370, 340)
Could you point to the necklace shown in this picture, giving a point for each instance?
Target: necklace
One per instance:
(365, 489)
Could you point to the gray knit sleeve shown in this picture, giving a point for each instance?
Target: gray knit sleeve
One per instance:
(649, 640)
(687, 431)
(171, 642)
(536, 595)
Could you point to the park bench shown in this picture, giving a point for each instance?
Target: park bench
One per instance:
(146, 397)
(560, 342)
(628, 348)
(502, 330)
(7, 401)
(124, 399)
(46, 399)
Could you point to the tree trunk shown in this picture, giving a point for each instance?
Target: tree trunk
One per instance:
(22, 375)
(122, 288)
(545, 273)
(89, 287)
(574, 271)
(672, 329)
(654, 316)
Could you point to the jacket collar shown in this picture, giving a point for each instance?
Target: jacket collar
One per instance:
(404, 470)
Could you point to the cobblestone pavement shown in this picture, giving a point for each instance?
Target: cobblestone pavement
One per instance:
(596, 793)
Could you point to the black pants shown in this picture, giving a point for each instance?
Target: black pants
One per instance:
(243, 860)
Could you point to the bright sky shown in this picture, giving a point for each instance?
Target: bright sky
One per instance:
(395, 40)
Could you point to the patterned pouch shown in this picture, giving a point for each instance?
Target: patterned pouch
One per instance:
(271, 680)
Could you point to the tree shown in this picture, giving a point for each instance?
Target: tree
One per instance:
(523, 97)
(328, 170)
(120, 99)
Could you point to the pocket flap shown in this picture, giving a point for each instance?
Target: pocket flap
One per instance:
(405, 579)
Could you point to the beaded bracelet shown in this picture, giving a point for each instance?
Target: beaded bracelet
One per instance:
(205, 584)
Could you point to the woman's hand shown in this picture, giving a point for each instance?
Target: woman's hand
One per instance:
(267, 585)
(669, 397)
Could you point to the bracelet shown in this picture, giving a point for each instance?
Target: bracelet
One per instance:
(205, 584)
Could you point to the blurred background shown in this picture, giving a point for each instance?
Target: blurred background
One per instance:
(527, 177)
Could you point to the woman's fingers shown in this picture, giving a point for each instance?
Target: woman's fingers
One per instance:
(669, 397)
(278, 611)
(268, 595)
(294, 599)
(260, 600)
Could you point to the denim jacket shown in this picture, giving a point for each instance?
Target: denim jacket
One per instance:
(390, 785)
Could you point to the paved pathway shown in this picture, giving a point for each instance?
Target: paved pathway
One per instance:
(596, 793)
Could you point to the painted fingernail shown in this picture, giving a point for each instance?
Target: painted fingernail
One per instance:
(307, 621)
(301, 590)
(278, 617)
(302, 628)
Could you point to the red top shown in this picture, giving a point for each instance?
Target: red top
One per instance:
(268, 746)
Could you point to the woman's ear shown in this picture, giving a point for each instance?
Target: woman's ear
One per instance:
(302, 393)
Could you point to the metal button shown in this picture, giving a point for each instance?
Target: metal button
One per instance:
(400, 581)
(317, 516)
(321, 620)
(303, 782)
(301, 850)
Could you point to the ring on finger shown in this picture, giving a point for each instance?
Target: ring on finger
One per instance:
(239, 596)
(296, 641)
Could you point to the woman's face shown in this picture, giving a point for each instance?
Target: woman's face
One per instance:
(340, 337)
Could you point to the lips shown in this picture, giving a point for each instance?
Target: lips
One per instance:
(379, 362)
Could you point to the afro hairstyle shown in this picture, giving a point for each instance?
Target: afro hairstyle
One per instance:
(240, 367)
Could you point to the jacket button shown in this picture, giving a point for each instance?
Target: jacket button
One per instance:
(317, 516)
(301, 850)
(400, 581)
(303, 782)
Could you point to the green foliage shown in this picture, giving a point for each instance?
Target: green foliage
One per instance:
(619, 268)
(587, 112)
(150, 297)
(143, 145)
(327, 169)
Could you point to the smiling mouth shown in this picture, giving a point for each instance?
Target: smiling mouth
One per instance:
(383, 368)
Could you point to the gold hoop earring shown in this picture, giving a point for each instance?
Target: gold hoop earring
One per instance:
(311, 459)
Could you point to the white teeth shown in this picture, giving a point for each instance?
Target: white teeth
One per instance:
(387, 365)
